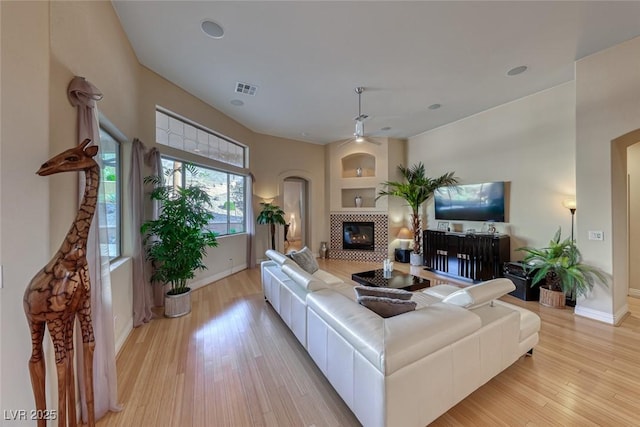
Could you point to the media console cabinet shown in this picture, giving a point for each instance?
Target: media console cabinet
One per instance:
(476, 257)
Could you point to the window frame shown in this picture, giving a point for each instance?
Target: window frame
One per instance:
(183, 178)
(119, 204)
(244, 149)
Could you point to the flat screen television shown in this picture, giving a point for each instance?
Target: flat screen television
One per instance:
(471, 202)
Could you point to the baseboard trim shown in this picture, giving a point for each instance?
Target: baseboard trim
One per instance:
(221, 275)
(601, 316)
(122, 338)
(634, 293)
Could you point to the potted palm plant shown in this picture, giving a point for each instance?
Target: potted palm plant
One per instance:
(177, 241)
(560, 265)
(271, 214)
(416, 189)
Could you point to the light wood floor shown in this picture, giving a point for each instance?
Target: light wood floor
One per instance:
(233, 362)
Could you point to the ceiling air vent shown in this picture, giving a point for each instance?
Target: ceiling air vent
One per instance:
(246, 88)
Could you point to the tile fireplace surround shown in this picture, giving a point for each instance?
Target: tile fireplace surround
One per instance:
(381, 237)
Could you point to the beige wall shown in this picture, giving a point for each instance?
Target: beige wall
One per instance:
(607, 110)
(24, 218)
(528, 143)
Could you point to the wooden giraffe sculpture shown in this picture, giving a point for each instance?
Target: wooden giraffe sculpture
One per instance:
(60, 291)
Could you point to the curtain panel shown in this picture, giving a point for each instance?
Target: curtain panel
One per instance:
(84, 96)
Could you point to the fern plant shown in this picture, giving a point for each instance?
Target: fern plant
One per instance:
(560, 265)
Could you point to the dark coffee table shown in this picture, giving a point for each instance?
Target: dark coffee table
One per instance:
(396, 279)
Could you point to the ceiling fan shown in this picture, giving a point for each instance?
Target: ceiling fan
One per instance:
(358, 135)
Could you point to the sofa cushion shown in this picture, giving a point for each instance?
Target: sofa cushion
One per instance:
(419, 333)
(386, 307)
(393, 343)
(382, 292)
(305, 259)
(529, 321)
(326, 277)
(360, 327)
(302, 278)
(482, 293)
(277, 257)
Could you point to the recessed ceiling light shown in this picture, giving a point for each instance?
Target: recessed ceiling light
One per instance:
(237, 102)
(212, 29)
(434, 106)
(517, 70)
(385, 128)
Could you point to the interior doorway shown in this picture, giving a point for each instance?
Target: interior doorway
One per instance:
(296, 204)
(633, 215)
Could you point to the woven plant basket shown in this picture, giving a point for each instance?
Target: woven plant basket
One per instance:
(549, 298)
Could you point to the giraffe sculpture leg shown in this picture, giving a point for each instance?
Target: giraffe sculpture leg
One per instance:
(37, 369)
(88, 340)
(71, 385)
(57, 332)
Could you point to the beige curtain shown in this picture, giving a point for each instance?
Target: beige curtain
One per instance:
(83, 95)
(142, 297)
(251, 222)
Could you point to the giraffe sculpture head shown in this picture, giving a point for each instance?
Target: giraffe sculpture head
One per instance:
(77, 158)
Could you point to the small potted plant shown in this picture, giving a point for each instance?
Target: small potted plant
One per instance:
(271, 214)
(177, 241)
(560, 265)
(416, 189)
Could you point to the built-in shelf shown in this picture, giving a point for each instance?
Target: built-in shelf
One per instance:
(368, 196)
(358, 165)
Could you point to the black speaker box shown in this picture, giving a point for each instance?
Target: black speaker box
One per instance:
(403, 255)
(516, 272)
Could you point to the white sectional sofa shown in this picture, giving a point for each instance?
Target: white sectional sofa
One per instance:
(409, 369)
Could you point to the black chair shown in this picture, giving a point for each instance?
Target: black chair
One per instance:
(286, 232)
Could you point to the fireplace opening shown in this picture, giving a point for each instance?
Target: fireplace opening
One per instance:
(357, 235)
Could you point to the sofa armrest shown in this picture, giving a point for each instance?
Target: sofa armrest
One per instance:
(480, 294)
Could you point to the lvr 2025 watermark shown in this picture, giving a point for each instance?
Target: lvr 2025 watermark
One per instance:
(29, 414)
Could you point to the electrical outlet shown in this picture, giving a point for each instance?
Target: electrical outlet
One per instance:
(596, 235)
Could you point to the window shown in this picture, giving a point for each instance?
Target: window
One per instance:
(110, 197)
(227, 191)
(177, 133)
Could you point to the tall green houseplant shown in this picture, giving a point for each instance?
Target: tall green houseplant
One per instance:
(177, 241)
(415, 189)
(560, 266)
(271, 214)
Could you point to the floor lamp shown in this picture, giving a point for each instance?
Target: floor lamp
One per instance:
(571, 205)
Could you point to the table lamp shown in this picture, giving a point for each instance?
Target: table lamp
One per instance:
(405, 235)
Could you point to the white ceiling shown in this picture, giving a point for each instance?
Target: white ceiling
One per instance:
(306, 57)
